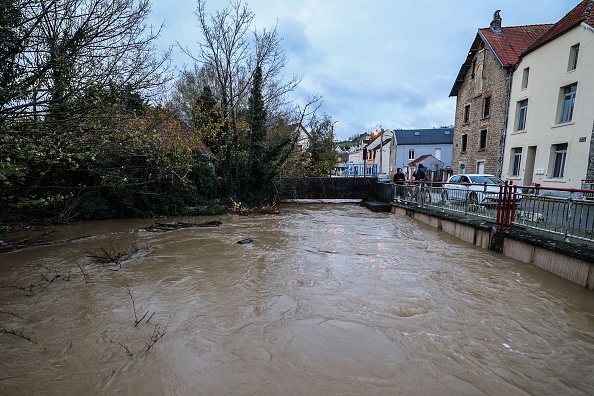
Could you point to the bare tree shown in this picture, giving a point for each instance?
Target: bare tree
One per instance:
(232, 54)
(70, 46)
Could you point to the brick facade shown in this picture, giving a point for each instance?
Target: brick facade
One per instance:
(493, 84)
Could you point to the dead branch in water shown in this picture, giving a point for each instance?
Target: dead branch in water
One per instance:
(40, 240)
(237, 208)
(123, 346)
(157, 335)
(118, 256)
(12, 313)
(163, 227)
(136, 320)
(83, 273)
(19, 333)
(43, 283)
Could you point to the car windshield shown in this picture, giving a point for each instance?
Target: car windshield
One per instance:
(486, 179)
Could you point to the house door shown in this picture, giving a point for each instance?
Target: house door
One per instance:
(480, 167)
(529, 169)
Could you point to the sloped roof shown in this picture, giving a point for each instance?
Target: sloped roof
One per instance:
(582, 13)
(513, 40)
(424, 136)
(506, 47)
(425, 158)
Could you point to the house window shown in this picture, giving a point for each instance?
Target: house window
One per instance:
(486, 107)
(438, 153)
(483, 139)
(559, 156)
(466, 114)
(411, 154)
(516, 161)
(567, 103)
(480, 167)
(522, 112)
(464, 142)
(573, 57)
(525, 75)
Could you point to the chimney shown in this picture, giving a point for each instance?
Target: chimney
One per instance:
(496, 23)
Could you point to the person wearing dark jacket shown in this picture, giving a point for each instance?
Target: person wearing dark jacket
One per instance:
(399, 179)
(421, 173)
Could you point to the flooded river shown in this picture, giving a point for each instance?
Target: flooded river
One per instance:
(326, 300)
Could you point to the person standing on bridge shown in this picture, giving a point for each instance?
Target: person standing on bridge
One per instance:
(421, 173)
(399, 179)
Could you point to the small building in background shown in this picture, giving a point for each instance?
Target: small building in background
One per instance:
(412, 144)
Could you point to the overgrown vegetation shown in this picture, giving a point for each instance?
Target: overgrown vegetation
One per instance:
(82, 133)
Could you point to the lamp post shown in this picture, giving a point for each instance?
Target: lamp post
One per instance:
(332, 137)
(381, 133)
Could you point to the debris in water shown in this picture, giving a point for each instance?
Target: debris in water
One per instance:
(161, 227)
(244, 241)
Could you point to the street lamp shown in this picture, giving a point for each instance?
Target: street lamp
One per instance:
(334, 147)
(381, 133)
(334, 123)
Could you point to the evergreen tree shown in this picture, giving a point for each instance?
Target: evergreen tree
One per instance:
(264, 159)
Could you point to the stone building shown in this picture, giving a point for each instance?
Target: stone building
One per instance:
(482, 95)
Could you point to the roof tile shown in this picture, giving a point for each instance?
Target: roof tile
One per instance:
(513, 41)
(583, 12)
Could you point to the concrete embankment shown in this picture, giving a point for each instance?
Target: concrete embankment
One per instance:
(567, 260)
(572, 261)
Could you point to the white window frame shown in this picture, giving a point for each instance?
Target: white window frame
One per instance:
(522, 115)
(525, 77)
(516, 161)
(559, 158)
(411, 154)
(574, 52)
(567, 103)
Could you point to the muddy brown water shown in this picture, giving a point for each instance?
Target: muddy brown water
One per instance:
(326, 300)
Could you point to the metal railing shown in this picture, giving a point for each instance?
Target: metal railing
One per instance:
(565, 212)
(360, 170)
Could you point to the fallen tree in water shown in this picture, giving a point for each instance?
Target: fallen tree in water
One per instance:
(40, 240)
(163, 227)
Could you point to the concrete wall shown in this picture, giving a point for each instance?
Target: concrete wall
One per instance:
(567, 261)
(327, 188)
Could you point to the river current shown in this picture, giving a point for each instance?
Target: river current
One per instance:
(326, 300)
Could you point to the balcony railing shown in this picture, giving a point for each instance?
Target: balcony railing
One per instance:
(565, 212)
(360, 170)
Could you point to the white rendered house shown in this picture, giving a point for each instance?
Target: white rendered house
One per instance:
(551, 108)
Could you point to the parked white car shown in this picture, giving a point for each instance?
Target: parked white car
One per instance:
(383, 178)
(477, 193)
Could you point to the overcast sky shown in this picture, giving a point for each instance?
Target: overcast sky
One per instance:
(388, 63)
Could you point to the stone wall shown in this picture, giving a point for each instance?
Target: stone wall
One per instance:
(494, 85)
